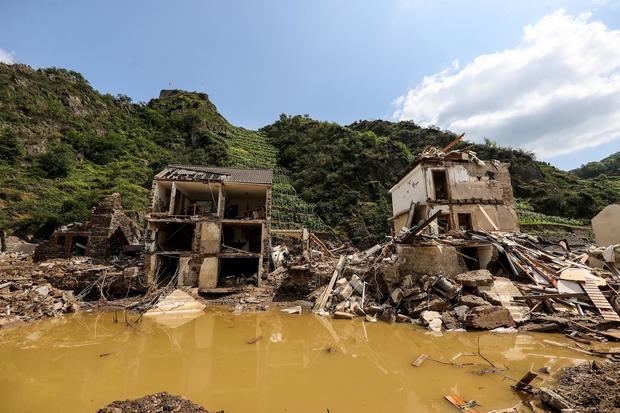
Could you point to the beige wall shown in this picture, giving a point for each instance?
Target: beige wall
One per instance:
(606, 226)
(210, 233)
(467, 180)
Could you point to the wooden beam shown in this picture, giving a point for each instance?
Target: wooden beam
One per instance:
(454, 142)
(319, 305)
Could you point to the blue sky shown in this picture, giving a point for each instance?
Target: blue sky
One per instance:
(336, 60)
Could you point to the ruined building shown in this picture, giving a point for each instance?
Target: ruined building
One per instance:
(209, 227)
(108, 231)
(471, 194)
(461, 192)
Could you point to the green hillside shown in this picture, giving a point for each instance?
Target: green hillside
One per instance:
(64, 146)
(609, 166)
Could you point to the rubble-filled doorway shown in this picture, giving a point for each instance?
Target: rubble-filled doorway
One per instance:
(167, 269)
(470, 256)
(238, 271)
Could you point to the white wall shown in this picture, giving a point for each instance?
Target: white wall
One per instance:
(411, 188)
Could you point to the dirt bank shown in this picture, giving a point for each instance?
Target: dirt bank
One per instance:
(591, 387)
(154, 403)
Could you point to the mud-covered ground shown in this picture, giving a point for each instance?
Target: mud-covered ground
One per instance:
(154, 403)
(592, 387)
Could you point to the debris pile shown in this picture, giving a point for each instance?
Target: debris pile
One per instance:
(588, 388)
(157, 402)
(29, 291)
(529, 283)
(23, 300)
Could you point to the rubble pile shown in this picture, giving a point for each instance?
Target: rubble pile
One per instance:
(91, 280)
(590, 387)
(529, 283)
(27, 301)
(157, 402)
(30, 291)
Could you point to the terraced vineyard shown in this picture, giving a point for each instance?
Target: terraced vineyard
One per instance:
(250, 149)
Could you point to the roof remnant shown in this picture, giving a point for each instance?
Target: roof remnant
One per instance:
(209, 173)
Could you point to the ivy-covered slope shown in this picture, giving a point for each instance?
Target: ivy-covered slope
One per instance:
(64, 146)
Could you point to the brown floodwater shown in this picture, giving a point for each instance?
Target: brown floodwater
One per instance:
(302, 363)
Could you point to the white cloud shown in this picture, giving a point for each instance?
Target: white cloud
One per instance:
(6, 57)
(556, 92)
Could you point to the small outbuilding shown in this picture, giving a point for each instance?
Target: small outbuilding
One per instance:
(606, 226)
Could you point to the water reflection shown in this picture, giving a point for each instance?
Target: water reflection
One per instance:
(300, 363)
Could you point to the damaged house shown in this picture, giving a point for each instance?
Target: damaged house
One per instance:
(108, 232)
(452, 191)
(209, 227)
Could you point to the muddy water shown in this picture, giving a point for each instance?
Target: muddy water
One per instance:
(302, 363)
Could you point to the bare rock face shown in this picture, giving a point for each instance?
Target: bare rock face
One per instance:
(488, 318)
(472, 301)
(474, 278)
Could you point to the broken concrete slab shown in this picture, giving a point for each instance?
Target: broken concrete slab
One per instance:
(429, 316)
(450, 320)
(435, 325)
(461, 311)
(473, 301)
(396, 296)
(345, 292)
(343, 316)
(176, 302)
(488, 318)
(503, 290)
(474, 278)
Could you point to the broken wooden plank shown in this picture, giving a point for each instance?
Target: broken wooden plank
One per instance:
(488, 218)
(600, 302)
(418, 230)
(321, 245)
(454, 142)
(254, 340)
(525, 381)
(547, 296)
(418, 362)
(458, 402)
(320, 303)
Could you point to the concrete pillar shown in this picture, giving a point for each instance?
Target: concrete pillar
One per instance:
(207, 279)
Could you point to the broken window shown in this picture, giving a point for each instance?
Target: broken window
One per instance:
(175, 236)
(464, 221)
(490, 175)
(440, 184)
(244, 237)
(443, 223)
(60, 240)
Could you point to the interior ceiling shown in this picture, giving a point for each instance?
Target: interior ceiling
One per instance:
(240, 190)
(198, 190)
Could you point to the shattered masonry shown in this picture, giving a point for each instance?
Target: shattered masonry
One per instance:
(107, 232)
